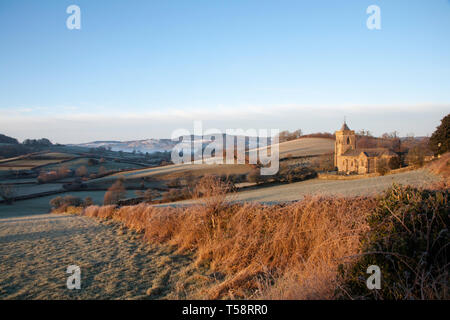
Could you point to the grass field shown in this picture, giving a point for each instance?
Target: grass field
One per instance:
(305, 147)
(115, 263)
(41, 205)
(348, 188)
(32, 161)
(29, 189)
(107, 164)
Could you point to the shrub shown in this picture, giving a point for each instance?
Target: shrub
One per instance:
(148, 195)
(81, 171)
(72, 201)
(88, 202)
(174, 183)
(382, 166)
(394, 163)
(93, 162)
(61, 173)
(102, 170)
(114, 193)
(294, 173)
(176, 195)
(255, 176)
(56, 202)
(416, 156)
(8, 192)
(409, 240)
(325, 162)
(61, 204)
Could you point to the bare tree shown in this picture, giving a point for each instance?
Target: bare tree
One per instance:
(82, 171)
(115, 193)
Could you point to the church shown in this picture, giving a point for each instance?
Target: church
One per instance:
(349, 159)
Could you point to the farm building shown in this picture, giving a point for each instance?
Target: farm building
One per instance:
(349, 159)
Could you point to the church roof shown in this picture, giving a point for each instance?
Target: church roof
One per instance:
(370, 152)
(344, 127)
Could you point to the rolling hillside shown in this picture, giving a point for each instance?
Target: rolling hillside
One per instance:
(296, 148)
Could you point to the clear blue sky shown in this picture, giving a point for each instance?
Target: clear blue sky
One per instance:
(140, 69)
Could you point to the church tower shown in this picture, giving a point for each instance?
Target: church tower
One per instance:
(345, 140)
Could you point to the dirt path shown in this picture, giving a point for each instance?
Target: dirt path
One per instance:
(35, 252)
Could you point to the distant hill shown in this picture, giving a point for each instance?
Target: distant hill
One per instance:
(149, 145)
(9, 140)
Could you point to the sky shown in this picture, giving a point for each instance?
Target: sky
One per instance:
(142, 69)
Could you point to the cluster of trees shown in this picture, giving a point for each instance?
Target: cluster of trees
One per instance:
(286, 174)
(100, 150)
(412, 151)
(60, 173)
(147, 195)
(389, 140)
(81, 172)
(61, 203)
(288, 136)
(325, 135)
(117, 193)
(38, 142)
(13, 148)
(416, 155)
(9, 140)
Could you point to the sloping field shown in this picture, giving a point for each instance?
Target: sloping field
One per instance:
(348, 188)
(28, 162)
(57, 155)
(305, 147)
(299, 147)
(94, 168)
(172, 171)
(29, 189)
